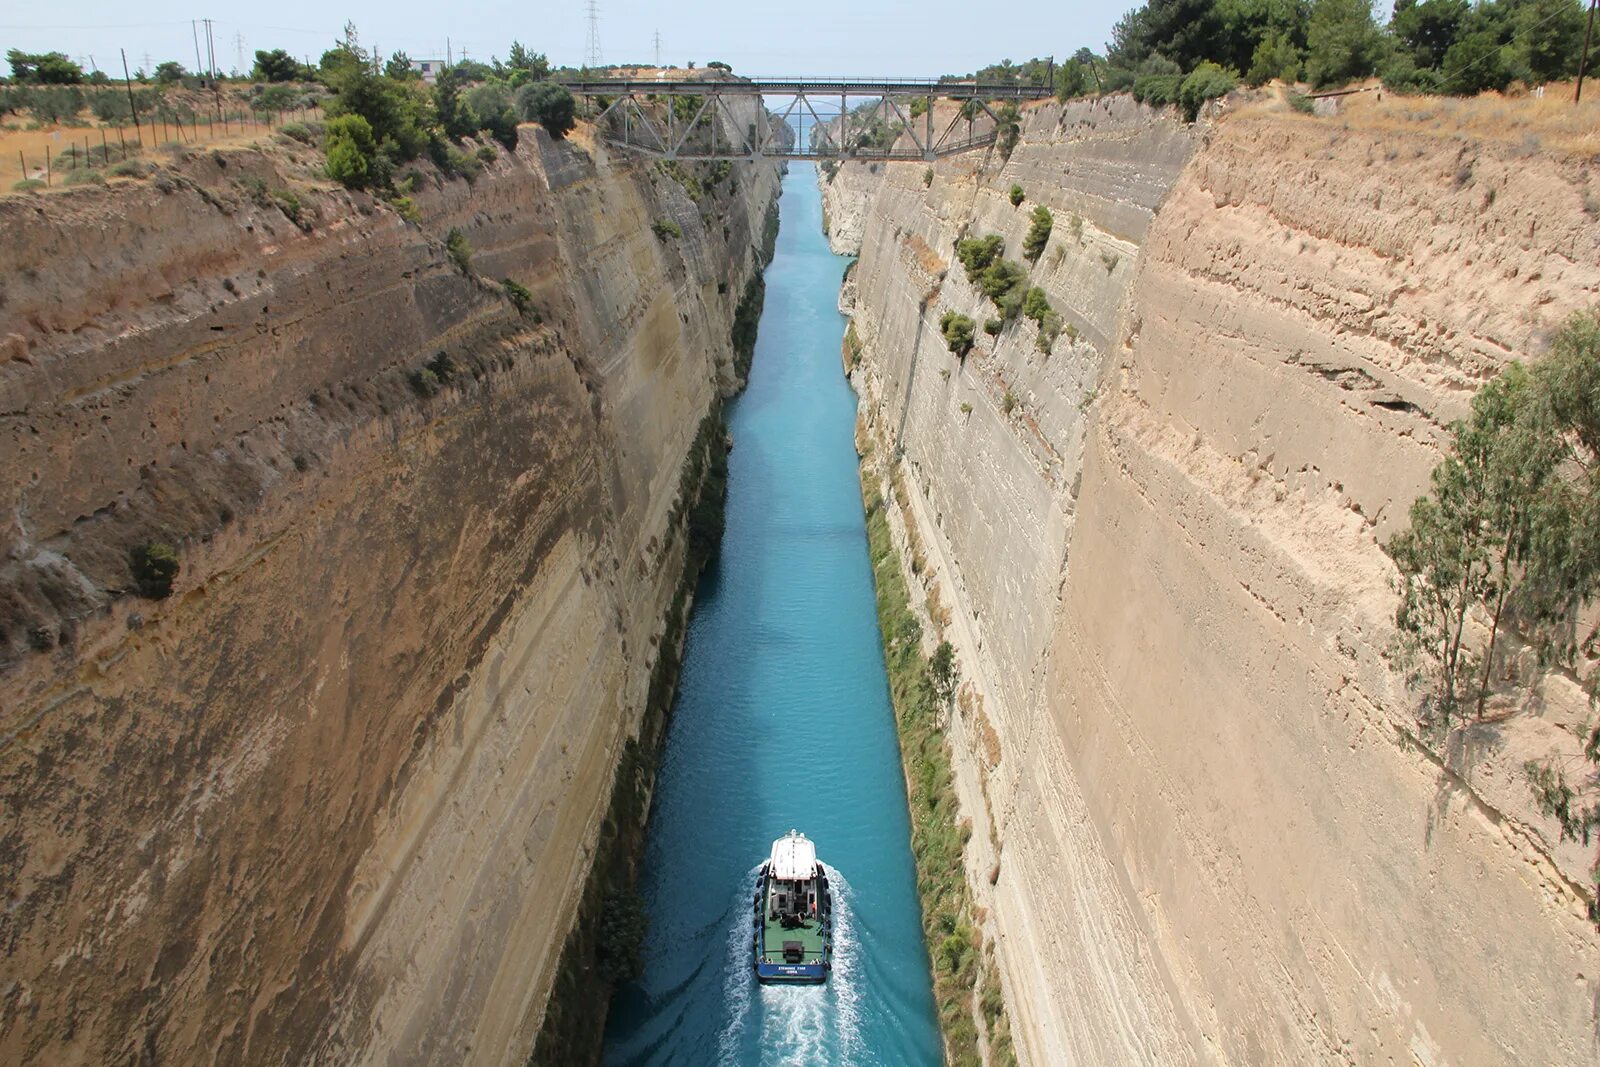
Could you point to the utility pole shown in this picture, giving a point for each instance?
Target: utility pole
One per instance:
(238, 44)
(197, 61)
(1583, 63)
(658, 49)
(128, 82)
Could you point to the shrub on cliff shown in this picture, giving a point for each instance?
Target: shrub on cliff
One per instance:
(666, 229)
(548, 104)
(1005, 283)
(520, 297)
(459, 249)
(1038, 234)
(958, 332)
(1206, 82)
(1016, 195)
(155, 566)
(351, 149)
(976, 253)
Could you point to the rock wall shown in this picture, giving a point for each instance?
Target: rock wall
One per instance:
(1207, 829)
(334, 799)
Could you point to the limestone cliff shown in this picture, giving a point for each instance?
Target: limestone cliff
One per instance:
(334, 799)
(1207, 830)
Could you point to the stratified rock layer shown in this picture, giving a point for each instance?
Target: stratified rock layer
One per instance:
(335, 798)
(1216, 836)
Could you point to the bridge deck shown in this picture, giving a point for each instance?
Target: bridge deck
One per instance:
(816, 86)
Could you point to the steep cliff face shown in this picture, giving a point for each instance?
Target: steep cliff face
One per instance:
(335, 798)
(1217, 835)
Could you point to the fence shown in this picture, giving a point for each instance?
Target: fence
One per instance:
(70, 154)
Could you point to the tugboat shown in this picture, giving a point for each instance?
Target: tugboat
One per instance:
(793, 914)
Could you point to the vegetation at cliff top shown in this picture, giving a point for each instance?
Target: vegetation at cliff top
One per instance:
(938, 833)
(1185, 52)
(1505, 550)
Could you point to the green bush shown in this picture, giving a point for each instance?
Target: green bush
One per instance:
(1038, 234)
(459, 249)
(289, 204)
(130, 168)
(1036, 305)
(424, 382)
(927, 177)
(1157, 90)
(958, 332)
(351, 150)
(1206, 82)
(519, 295)
(666, 228)
(487, 154)
(976, 253)
(1302, 103)
(85, 176)
(27, 185)
(155, 566)
(407, 209)
(297, 131)
(992, 327)
(548, 104)
(1016, 195)
(1005, 283)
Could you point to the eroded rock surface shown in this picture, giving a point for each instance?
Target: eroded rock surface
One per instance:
(335, 798)
(1216, 836)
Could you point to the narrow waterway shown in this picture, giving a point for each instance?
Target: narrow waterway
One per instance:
(783, 720)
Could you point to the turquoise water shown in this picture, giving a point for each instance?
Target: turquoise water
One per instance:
(783, 720)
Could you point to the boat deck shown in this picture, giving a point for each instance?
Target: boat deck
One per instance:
(773, 935)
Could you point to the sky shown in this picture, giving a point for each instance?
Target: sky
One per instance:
(858, 37)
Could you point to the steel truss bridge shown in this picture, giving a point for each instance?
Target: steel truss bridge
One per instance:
(839, 127)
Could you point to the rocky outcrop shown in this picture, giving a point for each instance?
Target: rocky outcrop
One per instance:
(334, 799)
(1207, 827)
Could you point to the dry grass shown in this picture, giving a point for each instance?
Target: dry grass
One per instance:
(1547, 122)
(18, 145)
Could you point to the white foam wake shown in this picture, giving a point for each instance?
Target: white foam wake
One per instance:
(799, 1024)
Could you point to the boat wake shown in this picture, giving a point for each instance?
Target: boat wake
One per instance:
(798, 1026)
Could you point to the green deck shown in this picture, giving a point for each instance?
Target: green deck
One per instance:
(774, 935)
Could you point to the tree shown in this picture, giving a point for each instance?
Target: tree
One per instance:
(1427, 30)
(528, 61)
(1549, 36)
(455, 120)
(1038, 234)
(170, 73)
(398, 67)
(43, 68)
(548, 104)
(1275, 57)
(491, 109)
(957, 331)
(1206, 82)
(351, 149)
(277, 66)
(1475, 64)
(1342, 41)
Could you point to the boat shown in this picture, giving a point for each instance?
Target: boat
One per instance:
(793, 914)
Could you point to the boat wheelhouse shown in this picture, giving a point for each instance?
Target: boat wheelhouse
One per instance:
(793, 914)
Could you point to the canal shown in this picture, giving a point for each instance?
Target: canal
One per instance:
(783, 720)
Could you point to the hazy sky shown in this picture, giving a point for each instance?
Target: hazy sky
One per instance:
(858, 37)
